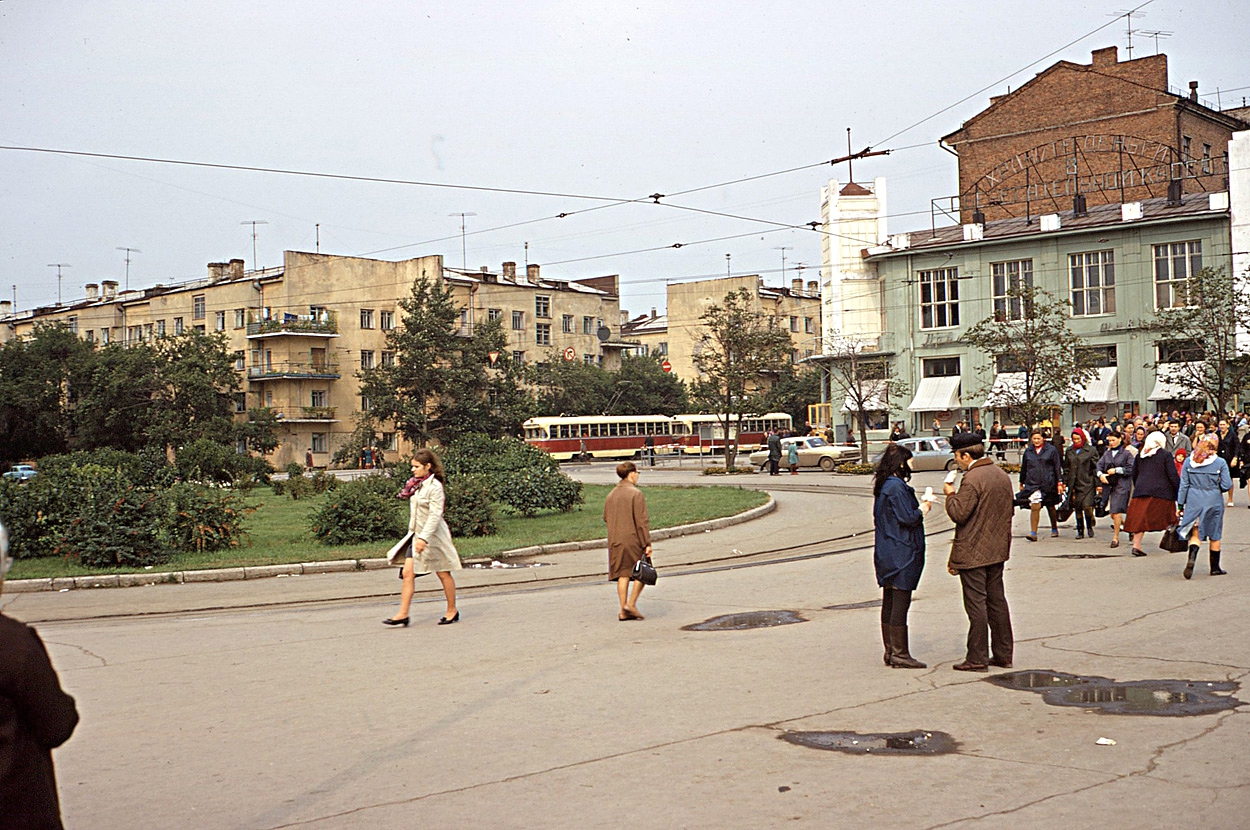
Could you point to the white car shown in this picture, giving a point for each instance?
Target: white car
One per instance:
(814, 451)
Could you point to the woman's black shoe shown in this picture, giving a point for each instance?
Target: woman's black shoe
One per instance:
(390, 621)
(445, 621)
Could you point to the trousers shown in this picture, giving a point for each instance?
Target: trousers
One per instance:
(989, 618)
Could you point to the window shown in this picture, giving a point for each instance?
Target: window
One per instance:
(387, 320)
(588, 325)
(566, 324)
(366, 318)
(90, 336)
(240, 402)
(366, 358)
(518, 358)
(1180, 351)
(939, 298)
(73, 324)
(160, 328)
(542, 334)
(390, 441)
(518, 321)
(542, 306)
(366, 404)
(1187, 144)
(199, 329)
(494, 314)
(1175, 264)
(794, 323)
(318, 313)
(940, 367)
(219, 321)
(197, 307)
(1099, 356)
(1008, 280)
(178, 328)
(104, 336)
(807, 325)
(134, 334)
(1206, 158)
(240, 318)
(661, 349)
(147, 332)
(1093, 283)
(239, 362)
(466, 328)
(318, 442)
(240, 446)
(588, 359)
(317, 398)
(388, 358)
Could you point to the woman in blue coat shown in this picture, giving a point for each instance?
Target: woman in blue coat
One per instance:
(1041, 481)
(1204, 481)
(898, 551)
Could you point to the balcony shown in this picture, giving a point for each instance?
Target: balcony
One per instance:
(305, 414)
(271, 323)
(327, 369)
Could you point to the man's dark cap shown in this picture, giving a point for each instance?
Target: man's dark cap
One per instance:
(964, 440)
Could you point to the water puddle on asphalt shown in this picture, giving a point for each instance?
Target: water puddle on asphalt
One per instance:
(1172, 698)
(1083, 556)
(884, 743)
(851, 606)
(746, 620)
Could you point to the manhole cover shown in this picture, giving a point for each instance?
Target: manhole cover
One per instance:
(851, 606)
(1131, 697)
(885, 743)
(1084, 556)
(748, 619)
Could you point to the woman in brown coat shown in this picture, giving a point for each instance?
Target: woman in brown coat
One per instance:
(629, 537)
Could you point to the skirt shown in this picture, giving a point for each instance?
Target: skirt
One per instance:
(1147, 513)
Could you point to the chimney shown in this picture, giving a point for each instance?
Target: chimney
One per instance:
(509, 270)
(483, 269)
(653, 312)
(1175, 192)
(1103, 58)
(796, 286)
(1130, 211)
(236, 269)
(93, 291)
(1078, 205)
(110, 289)
(217, 271)
(813, 288)
(531, 273)
(624, 316)
(6, 308)
(1193, 91)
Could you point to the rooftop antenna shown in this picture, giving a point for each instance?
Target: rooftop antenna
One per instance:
(783, 249)
(728, 270)
(850, 161)
(58, 266)
(254, 223)
(129, 251)
(1156, 34)
(464, 259)
(1127, 14)
(318, 229)
(527, 257)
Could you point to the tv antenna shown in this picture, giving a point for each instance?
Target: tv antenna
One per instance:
(1127, 14)
(58, 266)
(783, 249)
(1156, 34)
(129, 251)
(464, 259)
(254, 223)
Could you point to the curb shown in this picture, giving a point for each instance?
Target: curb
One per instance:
(65, 583)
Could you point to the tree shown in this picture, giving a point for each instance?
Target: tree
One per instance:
(1029, 339)
(37, 385)
(736, 348)
(114, 398)
(1200, 339)
(194, 395)
(795, 388)
(572, 387)
(865, 382)
(646, 389)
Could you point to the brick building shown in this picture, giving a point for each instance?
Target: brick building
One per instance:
(1110, 131)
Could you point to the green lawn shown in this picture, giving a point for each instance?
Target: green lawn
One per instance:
(279, 531)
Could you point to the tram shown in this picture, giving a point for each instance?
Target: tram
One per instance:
(566, 437)
(706, 433)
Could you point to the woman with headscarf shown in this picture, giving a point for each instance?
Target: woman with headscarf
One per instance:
(1204, 481)
(1155, 481)
(1081, 465)
(898, 550)
(1115, 471)
(428, 545)
(1041, 481)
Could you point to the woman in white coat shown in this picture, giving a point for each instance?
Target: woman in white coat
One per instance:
(428, 546)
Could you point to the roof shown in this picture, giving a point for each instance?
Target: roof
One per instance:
(588, 285)
(853, 189)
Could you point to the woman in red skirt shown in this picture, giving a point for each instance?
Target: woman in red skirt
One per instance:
(1155, 482)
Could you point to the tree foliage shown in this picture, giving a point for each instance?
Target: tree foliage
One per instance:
(37, 380)
(861, 379)
(639, 387)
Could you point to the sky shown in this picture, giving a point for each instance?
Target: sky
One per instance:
(591, 107)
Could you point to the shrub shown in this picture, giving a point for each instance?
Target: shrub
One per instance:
(107, 521)
(202, 518)
(26, 511)
(720, 471)
(294, 469)
(359, 512)
(523, 478)
(322, 482)
(529, 490)
(469, 509)
(855, 468)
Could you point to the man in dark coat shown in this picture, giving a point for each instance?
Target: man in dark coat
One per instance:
(36, 716)
(774, 452)
(629, 537)
(981, 510)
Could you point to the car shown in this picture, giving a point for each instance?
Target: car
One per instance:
(926, 453)
(21, 472)
(814, 451)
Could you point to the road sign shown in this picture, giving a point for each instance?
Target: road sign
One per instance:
(569, 354)
(666, 366)
(493, 357)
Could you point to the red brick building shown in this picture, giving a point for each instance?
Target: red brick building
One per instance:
(1109, 131)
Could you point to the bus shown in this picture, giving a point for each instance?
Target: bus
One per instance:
(600, 436)
(706, 433)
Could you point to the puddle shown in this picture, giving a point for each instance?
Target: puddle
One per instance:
(1171, 698)
(497, 565)
(746, 620)
(1083, 556)
(884, 743)
(851, 606)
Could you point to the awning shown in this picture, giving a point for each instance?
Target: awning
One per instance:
(874, 394)
(936, 395)
(1105, 388)
(1166, 390)
(1008, 390)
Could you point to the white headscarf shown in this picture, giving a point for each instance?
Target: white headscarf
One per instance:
(1154, 443)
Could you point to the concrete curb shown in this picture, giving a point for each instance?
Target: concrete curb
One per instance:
(19, 586)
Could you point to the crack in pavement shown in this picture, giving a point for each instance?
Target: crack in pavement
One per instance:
(103, 663)
(1243, 669)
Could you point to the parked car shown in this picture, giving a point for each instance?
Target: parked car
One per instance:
(927, 453)
(814, 451)
(21, 472)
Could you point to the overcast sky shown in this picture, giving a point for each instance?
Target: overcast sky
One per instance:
(610, 100)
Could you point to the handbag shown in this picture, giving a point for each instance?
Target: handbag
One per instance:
(1064, 511)
(644, 572)
(1172, 541)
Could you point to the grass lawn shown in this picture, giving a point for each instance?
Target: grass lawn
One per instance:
(279, 531)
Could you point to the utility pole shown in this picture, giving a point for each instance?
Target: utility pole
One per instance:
(58, 266)
(728, 270)
(318, 226)
(129, 251)
(464, 259)
(254, 223)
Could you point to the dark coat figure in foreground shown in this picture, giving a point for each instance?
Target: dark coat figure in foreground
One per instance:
(1081, 479)
(629, 537)
(898, 550)
(981, 510)
(774, 453)
(36, 716)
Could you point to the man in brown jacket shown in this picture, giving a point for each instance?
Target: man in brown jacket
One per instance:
(629, 537)
(981, 511)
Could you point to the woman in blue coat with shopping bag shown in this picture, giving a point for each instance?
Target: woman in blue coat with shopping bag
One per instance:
(1204, 481)
(898, 551)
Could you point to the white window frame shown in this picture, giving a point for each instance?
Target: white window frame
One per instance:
(1006, 276)
(943, 300)
(1167, 256)
(1091, 282)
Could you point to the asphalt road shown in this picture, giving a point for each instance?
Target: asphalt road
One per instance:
(292, 706)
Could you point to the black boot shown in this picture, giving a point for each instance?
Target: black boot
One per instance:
(1215, 563)
(885, 638)
(1193, 558)
(1080, 526)
(899, 656)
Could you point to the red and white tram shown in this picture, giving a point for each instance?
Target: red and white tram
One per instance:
(625, 436)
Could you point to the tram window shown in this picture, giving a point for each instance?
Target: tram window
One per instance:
(594, 430)
(633, 429)
(650, 428)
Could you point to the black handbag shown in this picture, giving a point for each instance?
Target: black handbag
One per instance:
(1173, 542)
(644, 572)
(1064, 511)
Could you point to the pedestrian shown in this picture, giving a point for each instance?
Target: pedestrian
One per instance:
(1115, 471)
(774, 452)
(1155, 481)
(1081, 463)
(428, 545)
(898, 433)
(1099, 436)
(998, 440)
(1175, 439)
(898, 550)
(1204, 481)
(1041, 481)
(981, 510)
(1229, 449)
(937, 428)
(308, 459)
(1243, 460)
(36, 716)
(792, 457)
(629, 537)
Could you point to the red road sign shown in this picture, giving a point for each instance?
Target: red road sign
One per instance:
(666, 366)
(569, 354)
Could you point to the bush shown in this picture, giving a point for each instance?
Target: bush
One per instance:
(529, 490)
(855, 468)
(107, 521)
(720, 471)
(200, 518)
(26, 511)
(523, 478)
(358, 512)
(469, 509)
(323, 483)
